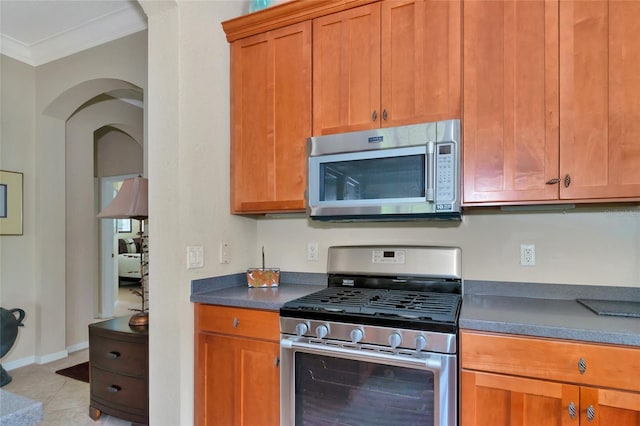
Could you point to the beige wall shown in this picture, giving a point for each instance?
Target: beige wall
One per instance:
(35, 104)
(119, 154)
(17, 253)
(81, 223)
(599, 246)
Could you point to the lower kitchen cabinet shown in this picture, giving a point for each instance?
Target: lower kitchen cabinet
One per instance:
(518, 380)
(237, 375)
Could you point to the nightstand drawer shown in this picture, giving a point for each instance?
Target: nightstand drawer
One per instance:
(118, 356)
(118, 391)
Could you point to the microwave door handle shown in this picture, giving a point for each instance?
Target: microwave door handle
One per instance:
(431, 170)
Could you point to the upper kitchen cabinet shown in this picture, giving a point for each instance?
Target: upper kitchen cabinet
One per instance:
(270, 119)
(551, 111)
(599, 99)
(386, 64)
(510, 126)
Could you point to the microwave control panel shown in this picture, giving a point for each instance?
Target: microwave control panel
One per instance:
(446, 176)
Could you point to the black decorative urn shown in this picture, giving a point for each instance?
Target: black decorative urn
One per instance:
(9, 324)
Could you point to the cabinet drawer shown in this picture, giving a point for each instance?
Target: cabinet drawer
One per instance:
(118, 391)
(118, 356)
(243, 322)
(604, 365)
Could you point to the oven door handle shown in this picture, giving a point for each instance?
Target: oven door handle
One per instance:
(433, 363)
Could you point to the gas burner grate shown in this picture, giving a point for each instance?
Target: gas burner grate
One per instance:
(407, 304)
(415, 304)
(334, 299)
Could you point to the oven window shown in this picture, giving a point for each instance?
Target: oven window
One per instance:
(373, 179)
(336, 391)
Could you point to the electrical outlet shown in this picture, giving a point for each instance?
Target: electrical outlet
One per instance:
(225, 252)
(312, 251)
(527, 255)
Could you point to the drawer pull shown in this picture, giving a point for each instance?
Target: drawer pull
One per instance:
(591, 413)
(582, 365)
(114, 389)
(113, 355)
(236, 322)
(276, 361)
(572, 410)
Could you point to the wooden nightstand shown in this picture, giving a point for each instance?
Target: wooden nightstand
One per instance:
(119, 361)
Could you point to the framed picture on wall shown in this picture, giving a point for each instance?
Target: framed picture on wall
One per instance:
(123, 225)
(10, 203)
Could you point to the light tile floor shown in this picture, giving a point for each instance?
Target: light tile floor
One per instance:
(65, 401)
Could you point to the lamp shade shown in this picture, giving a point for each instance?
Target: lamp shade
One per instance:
(130, 202)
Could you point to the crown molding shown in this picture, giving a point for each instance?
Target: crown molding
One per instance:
(92, 33)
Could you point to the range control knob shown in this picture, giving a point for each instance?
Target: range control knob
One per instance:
(322, 331)
(394, 340)
(356, 335)
(301, 328)
(421, 343)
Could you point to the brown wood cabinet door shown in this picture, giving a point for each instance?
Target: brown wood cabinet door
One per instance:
(510, 101)
(600, 99)
(420, 61)
(271, 119)
(237, 381)
(494, 399)
(258, 382)
(609, 407)
(346, 70)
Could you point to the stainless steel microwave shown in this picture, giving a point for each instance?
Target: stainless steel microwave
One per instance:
(397, 173)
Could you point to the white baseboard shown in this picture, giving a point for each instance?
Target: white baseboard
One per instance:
(45, 359)
(78, 347)
(12, 365)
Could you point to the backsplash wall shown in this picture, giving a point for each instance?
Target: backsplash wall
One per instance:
(585, 245)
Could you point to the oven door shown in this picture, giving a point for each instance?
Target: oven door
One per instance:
(336, 383)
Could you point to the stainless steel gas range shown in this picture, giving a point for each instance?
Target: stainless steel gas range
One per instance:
(378, 346)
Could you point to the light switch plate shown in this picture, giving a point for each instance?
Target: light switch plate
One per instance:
(195, 257)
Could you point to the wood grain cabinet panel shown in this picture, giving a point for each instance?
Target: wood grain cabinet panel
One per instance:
(237, 376)
(421, 61)
(519, 380)
(494, 399)
(346, 70)
(551, 110)
(386, 64)
(600, 99)
(510, 126)
(271, 119)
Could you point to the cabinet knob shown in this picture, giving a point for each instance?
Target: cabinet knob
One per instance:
(553, 181)
(276, 361)
(113, 355)
(572, 410)
(591, 413)
(582, 366)
(374, 116)
(236, 322)
(384, 114)
(114, 389)
(567, 180)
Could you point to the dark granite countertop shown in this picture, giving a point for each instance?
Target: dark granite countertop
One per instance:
(530, 309)
(547, 310)
(232, 290)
